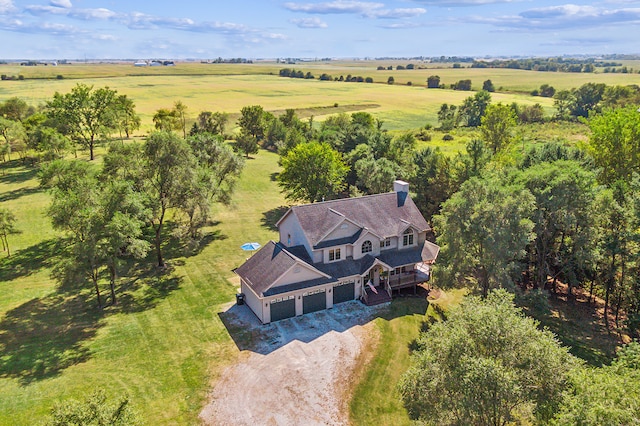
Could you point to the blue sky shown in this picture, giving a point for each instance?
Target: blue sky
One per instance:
(112, 29)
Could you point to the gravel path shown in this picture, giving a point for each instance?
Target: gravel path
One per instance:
(296, 371)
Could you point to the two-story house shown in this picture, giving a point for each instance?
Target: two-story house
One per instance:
(335, 251)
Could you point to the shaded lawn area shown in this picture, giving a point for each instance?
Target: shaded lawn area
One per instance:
(579, 325)
(163, 344)
(376, 400)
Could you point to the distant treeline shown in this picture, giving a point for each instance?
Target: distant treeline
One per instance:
(548, 64)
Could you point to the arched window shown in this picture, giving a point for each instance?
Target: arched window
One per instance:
(407, 237)
(367, 247)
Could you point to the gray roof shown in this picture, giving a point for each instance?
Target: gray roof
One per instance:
(383, 214)
(347, 267)
(262, 269)
(340, 241)
(298, 286)
(396, 258)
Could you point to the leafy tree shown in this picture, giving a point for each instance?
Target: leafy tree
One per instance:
(180, 112)
(483, 231)
(547, 91)
(212, 122)
(104, 218)
(49, 142)
(563, 222)
(472, 162)
(473, 108)
(531, 114)
(251, 121)
(247, 143)
(488, 364)
(84, 114)
(7, 227)
(432, 180)
(169, 173)
(14, 135)
(165, 120)
(433, 82)
(488, 86)
(15, 109)
(376, 176)
(563, 101)
(587, 98)
(94, 410)
(75, 209)
(447, 116)
(312, 172)
(126, 118)
(606, 396)
(615, 143)
(462, 85)
(497, 123)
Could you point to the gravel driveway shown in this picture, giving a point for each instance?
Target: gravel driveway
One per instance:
(296, 370)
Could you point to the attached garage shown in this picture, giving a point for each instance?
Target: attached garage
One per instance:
(283, 308)
(344, 292)
(314, 301)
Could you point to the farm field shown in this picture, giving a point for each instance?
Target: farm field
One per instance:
(229, 87)
(165, 344)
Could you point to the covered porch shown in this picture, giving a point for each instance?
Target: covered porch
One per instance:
(381, 280)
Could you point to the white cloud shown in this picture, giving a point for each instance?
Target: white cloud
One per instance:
(463, 3)
(6, 6)
(563, 17)
(309, 23)
(61, 3)
(334, 7)
(365, 9)
(398, 13)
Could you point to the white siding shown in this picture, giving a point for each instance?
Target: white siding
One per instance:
(291, 234)
(253, 301)
(375, 245)
(296, 274)
(346, 229)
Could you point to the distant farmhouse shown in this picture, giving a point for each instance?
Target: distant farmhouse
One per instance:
(154, 63)
(335, 251)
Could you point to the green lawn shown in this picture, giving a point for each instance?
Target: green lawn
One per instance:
(163, 344)
(376, 400)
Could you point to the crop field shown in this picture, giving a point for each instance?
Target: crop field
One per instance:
(229, 87)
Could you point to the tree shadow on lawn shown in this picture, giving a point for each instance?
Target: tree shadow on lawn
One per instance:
(580, 326)
(9, 174)
(26, 261)
(175, 247)
(249, 334)
(271, 217)
(18, 193)
(41, 338)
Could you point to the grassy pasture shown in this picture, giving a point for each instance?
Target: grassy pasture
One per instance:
(401, 107)
(163, 344)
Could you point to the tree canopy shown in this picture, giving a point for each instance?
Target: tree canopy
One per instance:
(312, 172)
(487, 364)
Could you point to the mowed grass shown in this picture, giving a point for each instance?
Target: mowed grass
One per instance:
(376, 400)
(163, 344)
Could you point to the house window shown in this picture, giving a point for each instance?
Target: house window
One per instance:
(367, 247)
(407, 238)
(385, 243)
(334, 254)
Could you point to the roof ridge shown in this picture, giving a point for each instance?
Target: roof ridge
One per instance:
(344, 199)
